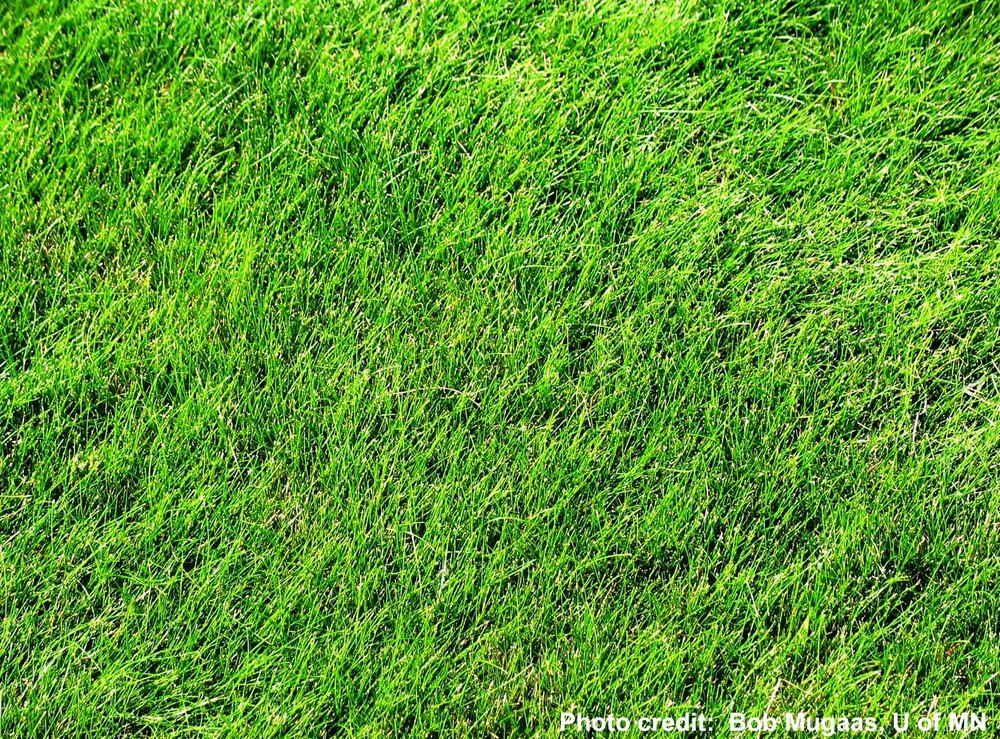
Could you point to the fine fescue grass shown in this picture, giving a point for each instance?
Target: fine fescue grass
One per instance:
(430, 369)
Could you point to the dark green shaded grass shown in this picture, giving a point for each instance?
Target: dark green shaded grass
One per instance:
(428, 370)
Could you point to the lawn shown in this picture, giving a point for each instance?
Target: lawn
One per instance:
(432, 369)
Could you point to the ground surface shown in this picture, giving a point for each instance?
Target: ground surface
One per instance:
(430, 369)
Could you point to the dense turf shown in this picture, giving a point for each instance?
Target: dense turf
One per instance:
(430, 369)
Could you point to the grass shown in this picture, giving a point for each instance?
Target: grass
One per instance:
(431, 369)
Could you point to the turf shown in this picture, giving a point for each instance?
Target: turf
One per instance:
(429, 369)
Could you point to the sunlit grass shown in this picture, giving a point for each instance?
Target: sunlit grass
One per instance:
(430, 369)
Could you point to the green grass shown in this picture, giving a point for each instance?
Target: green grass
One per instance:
(431, 369)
